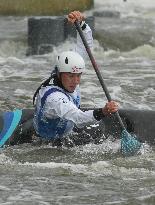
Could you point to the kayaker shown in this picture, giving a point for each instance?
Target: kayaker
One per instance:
(57, 107)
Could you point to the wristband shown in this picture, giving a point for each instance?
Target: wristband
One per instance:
(98, 114)
(83, 25)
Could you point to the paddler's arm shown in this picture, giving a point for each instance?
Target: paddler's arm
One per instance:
(58, 104)
(72, 17)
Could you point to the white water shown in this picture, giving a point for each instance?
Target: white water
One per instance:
(90, 174)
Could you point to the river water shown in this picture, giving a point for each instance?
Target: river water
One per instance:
(90, 174)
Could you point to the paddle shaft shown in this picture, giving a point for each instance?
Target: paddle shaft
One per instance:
(95, 66)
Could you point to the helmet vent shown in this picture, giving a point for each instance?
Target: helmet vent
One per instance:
(66, 60)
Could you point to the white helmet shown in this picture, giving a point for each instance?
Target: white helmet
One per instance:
(71, 62)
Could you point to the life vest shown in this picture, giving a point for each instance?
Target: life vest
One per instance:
(56, 127)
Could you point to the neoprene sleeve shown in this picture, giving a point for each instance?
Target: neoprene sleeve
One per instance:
(98, 114)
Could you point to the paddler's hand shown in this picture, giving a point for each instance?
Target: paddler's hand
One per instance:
(110, 107)
(75, 15)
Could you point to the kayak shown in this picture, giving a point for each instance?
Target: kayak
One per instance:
(16, 127)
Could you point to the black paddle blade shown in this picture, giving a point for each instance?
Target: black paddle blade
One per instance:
(129, 144)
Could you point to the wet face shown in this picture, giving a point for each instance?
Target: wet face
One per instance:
(70, 81)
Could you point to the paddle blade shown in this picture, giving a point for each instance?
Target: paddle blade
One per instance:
(129, 144)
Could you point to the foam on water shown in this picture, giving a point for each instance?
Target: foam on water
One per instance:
(115, 65)
(84, 174)
(107, 149)
(139, 8)
(39, 68)
(5, 160)
(138, 3)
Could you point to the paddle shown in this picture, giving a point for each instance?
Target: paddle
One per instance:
(129, 144)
